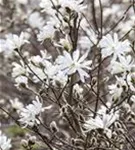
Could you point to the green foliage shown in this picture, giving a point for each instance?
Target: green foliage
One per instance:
(16, 131)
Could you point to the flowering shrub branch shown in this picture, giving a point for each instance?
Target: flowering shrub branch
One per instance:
(79, 70)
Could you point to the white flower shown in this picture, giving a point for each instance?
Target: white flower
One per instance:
(48, 31)
(78, 90)
(36, 60)
(111, 45)
(5, 143)
(131, 81)
(4, 48)
(18, 69)
(45, 55)
(47, 71)
(117, 89)
(2, 45)
(43, 59)
(21, 80)
(71, 64)
(42, 67)
(50, 70)
(103, 120)
(29, 116)
(38, 71)
(125, 64)
(16, 104)
(133, 98)
(100, 122)
(61, 78)
(35, 20)
(75, 5)
(46, 6)
(65, 43)
(15, 42)
(54, 75)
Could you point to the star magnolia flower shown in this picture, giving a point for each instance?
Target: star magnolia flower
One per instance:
(41, 60)
(19, 69)
(45, 54)
(5, 143)
(65, 43)
(21, 80)
(71, 64)
(46, 6)
(103, 121)
(100, 122)
(47, 71)
(4, 48)
(111, 45)
(36, 21)
(131, 81)
(125, 64)
(117, 89)
(60, 78)
(2, 45)
(15, 42)
(75, 5)
(133, 98)
(78, 90)
(29, 115)
(16, 104)
(38, 71)
(47, 32)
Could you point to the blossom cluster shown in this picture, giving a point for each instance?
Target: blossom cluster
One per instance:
(77, 66)
(5, 143)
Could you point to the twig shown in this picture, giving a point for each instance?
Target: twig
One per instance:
(94, 16)
(101, 18)
(98, 87)
(117, 23)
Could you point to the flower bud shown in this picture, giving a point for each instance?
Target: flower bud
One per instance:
(53, 127)
(32, 140)
(24, 143)
(93, 140)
